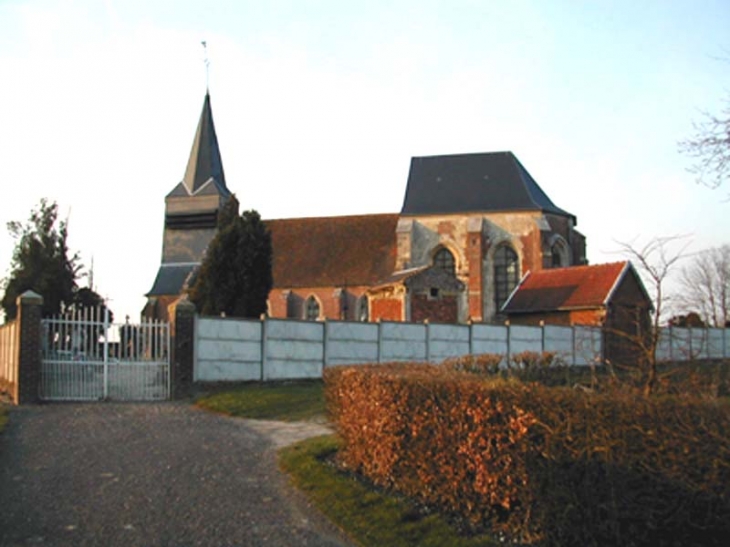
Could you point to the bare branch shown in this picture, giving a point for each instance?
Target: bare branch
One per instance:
(710, 147)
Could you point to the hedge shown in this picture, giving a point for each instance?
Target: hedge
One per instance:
(538, 463)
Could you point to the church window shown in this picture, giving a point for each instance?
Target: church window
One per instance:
(362, 308)
(444, 260)
(312, 309)
(559, 255)
(506, 274)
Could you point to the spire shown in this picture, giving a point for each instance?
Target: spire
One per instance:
(205, 162)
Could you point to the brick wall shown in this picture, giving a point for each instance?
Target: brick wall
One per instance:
(442, 309)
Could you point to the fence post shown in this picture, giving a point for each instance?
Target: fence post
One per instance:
(27, 388)
(509, 342)
(380, 341)
(182, 369)
(427, 324)
(573, 348)
(264, 338)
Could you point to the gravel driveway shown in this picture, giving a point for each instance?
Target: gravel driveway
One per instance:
(149, 475)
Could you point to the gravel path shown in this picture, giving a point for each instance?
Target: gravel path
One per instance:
(149, 475)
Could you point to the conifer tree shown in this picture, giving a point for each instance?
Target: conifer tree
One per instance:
(235, 276)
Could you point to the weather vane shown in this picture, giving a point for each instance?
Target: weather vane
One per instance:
(206, 61)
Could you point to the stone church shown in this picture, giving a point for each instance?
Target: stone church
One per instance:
(470, 229)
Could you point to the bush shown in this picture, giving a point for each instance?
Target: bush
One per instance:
(537, 463)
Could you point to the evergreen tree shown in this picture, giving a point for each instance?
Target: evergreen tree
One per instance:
(41, 263)
(235, 276)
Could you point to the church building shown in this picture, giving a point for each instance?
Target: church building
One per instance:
(471, 227)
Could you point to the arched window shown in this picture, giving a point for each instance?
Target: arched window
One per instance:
(506, 274)
(444, 260)
(311, 309)
(559, 255)
(362, 308)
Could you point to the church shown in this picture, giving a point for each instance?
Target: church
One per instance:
(472, 226)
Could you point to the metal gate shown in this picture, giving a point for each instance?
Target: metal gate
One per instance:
(88, 358)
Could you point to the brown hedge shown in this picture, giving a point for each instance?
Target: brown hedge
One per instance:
(552, 464)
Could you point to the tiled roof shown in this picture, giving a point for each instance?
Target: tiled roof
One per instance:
(466, 183)
(575, 287)
(333, 251)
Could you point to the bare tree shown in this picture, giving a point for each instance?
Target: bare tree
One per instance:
(706, 285)
(710, 147)
(656, 261)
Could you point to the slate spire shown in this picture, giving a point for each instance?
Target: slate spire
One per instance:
(205, 162)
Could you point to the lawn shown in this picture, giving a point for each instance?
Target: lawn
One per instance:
(367, 515)
(285, 401)
(4, 409)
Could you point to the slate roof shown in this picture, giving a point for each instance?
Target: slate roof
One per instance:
(171, 278)
(470, 183)
(204, 173)
(333, 251)
(571, 288)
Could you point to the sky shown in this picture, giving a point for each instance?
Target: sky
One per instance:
(320, 105)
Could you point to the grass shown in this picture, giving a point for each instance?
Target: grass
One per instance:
(4, 409)
(368, 516)
(285, 401)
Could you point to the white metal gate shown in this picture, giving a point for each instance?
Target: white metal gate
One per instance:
(88, 358)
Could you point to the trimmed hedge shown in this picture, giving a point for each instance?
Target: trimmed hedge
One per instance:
(538, 463)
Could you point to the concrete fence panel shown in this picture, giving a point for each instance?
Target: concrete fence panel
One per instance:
(350, 343)
(402, 342)
(228, 350)
(523, 338)
(715, 343)
(446, 341)
(559, 340)
(293, 349)
(664, 345)
(587, 345)
(489, 339)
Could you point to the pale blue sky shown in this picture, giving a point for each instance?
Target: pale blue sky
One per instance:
(319, 107)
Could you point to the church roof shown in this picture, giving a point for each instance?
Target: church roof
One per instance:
(472, 183)
(171, 278)
(333, 251)
(571, 288)
(204, 173)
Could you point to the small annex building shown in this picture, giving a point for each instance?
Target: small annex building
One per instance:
(603, 295)
(470, 228)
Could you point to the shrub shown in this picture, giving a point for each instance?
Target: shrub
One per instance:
(538, 463)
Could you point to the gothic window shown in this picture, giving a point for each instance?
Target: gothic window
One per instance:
(311, 309)
(362, 308)
(506, 274)
(444, 260)
(559, 255)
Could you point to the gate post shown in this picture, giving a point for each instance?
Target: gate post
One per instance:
(27, 388)
(183, 349)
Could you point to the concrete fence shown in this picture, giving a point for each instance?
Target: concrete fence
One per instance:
(276, 349)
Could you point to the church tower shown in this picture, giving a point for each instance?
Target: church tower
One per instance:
(191, 213)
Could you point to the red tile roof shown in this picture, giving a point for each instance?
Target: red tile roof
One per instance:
(569, 288)
(333, 251)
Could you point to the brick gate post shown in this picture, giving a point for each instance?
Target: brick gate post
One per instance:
(27, 388)
(183, 332)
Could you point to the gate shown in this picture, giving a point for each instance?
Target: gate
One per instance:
(88, 358)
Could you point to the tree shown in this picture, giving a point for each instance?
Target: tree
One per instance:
(706, 285)
(710, 146)
(235, 276)
(656, 261)
(41, 263)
